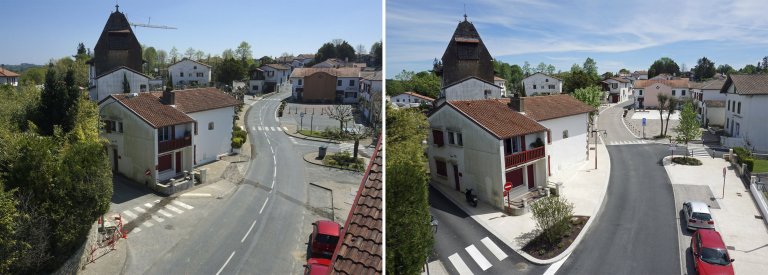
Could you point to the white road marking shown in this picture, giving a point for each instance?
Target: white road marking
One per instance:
(253, 128)
(478, 257)
(136, 230)
(249, 231)
(262, 207)
(225, 263)
(157, 219)
(174, 209)
(148, 224)
(274, 129)
(130, 214)
(494, 248)
(555, 266)
(139, 209)
(148, 205)
(259, 128)
(460, 266)
(187, 206)
(165, 213)
(285, 128)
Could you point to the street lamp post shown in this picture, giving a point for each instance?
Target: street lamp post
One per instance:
(596, 134)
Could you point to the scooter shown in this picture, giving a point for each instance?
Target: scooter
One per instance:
(471, 198)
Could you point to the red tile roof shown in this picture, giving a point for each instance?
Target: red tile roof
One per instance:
(338, 72)
(277, 66)
(7, 73)
(183, 59)
(360, 249)
(419, 96)
(149, 108)
(496, 117)
(201, 99)
(674, 83)
(542, 108)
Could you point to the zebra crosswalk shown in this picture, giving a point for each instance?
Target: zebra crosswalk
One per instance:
(628, 142)
(477, 256)
(698, 152)
(269, 128)
(170, 210)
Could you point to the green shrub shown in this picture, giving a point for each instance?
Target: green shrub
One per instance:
(241, 134)
(551, 215)
(686, 161)
(237, 142)
(749, 162)
(742, 153)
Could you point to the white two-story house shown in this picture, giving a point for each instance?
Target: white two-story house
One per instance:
(370, 95)
(8, 77)
(111, 82)
(274, 74)
(540, 83)
(471, 88)
(746, 98)
(190, 73)
(619, 89)
(410, 100)
(502, 83)
(709, 102)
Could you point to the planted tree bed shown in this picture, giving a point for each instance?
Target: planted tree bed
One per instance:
(686, 161)
(539, 248)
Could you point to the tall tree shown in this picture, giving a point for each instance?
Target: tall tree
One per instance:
(541, 68)
(376, 51)
(81, 49)
(749, 69)
(162, 58)
(671, 108)
(409, 236)
(527, 68)
(725, 69)
(126, 84)
(688, 129)
(174, 55)
(230, 70)
(590, 66)
(663, 65)
(189, 53)
(550, 69)
(227, 54)
(591, 96)
(341, 113)
(243, 51)
(150, 55)
(662, 99)
(327, 50)
(345, 52)
(624, 71)
(704, 69)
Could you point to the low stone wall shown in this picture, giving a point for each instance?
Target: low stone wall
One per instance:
(173, 187)
(80, 258)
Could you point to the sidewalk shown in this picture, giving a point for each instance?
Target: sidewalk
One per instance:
(584, 186)
(735, 215)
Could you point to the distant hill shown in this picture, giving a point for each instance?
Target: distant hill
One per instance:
(21, 67)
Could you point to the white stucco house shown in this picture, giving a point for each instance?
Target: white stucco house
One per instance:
(746, 98)
(410, 100)
(540, 83)
(188, 72)
(370, 95)
(8, 77)
(350, 85)
(709, 102)
(155, 137)
(502, 83)
(274, 74)
(483, 144)
(619, 89)
(302, 60)
(111, 82)
(471, 88)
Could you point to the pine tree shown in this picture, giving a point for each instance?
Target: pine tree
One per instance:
(126, 85)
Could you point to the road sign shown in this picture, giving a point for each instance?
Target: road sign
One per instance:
(643, 121)
(301, 114)
(507, 186)
(724, 172)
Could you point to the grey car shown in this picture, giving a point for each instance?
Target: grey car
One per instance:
(697, 215)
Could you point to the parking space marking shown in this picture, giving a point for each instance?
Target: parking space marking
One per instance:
(174, 209)
(187, 206)
(130, 214)
(139, 209)
(165, 213)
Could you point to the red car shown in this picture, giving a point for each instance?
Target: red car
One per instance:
(325, 236)
(710, 255)
(317, 266)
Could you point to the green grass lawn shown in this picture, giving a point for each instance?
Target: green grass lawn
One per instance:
(761, 166)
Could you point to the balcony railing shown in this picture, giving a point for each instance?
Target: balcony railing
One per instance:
(518, 158)
(169, 145)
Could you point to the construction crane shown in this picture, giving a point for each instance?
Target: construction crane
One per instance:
(148, 25)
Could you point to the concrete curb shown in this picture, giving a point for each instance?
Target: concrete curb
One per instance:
(308, 158)
(300, 136)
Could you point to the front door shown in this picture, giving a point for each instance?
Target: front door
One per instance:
(456, 177)
(178, 162)
(114, 160)
(531, 182)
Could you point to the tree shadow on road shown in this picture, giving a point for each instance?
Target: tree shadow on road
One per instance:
(123, 190)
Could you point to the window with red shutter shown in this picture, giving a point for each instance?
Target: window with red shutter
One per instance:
(437, 137)
(108, 126)
(549, 136)
(164, 162)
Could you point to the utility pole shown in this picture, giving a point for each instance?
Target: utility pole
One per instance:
(596, 134)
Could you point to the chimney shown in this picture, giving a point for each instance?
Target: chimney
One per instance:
(517, 103)
(169, 98)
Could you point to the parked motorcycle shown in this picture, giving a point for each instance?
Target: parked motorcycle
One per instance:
(471, 198)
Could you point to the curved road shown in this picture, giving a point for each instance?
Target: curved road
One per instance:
(262, 227)
(636, 232)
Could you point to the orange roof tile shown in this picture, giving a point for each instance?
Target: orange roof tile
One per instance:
(149, 108)
(7, 73)
(674, 83)
(201, 99)
(542, 108)
(496, 117)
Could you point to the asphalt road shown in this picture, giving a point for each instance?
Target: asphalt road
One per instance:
(636, 232)
(456, 231)
(263, 226)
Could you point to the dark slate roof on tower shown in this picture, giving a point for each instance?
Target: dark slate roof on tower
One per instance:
(466, 56)
(117, 46)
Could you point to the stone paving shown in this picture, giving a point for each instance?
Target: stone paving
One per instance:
(634, 122)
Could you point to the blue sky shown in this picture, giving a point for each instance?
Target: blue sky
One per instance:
(36, 31)
(617, 34)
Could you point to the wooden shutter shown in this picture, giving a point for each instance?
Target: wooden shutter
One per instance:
(108, 126)
(437, 137)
